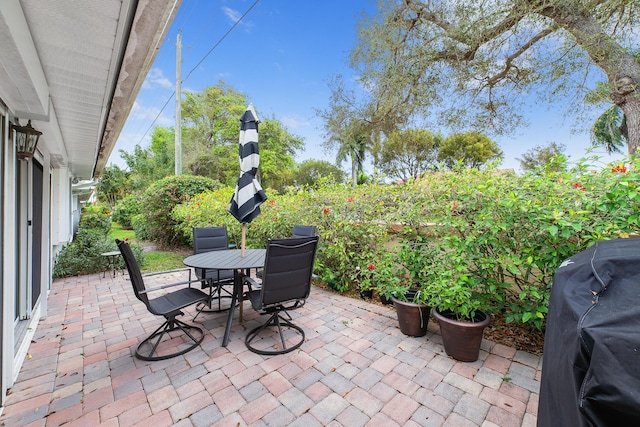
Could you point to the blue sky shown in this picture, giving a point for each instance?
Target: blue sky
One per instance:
(281, 56)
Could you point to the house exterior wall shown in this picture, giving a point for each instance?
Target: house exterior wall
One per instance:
(36, 47)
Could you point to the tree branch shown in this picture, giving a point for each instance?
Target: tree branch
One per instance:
(492, 81)
(421, 12)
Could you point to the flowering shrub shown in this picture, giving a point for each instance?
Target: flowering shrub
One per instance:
(513, 232)
(496, 238)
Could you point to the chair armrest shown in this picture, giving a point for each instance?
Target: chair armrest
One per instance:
(252, 283)
(170, 285)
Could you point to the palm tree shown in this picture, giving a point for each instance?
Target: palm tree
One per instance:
(610, 130)
(354, 146)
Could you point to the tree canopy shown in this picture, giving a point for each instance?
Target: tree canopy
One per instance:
(544, 158)
(112, 185)
(347, 127)
(469, 150)
(210, 133)
(150, 164)
(311, 173)
(473, 61)
(408, 154)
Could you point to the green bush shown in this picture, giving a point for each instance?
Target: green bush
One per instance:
(139, 225)
(96, 209)
(159, 200)
(513, 232)
(125, 209)
(349, 222)
(507, 234)
(97, 221)
(83, 255)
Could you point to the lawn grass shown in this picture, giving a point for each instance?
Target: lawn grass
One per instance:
(154, 261)
(117, 232)
(162, 261)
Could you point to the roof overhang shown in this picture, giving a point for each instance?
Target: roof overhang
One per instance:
(74, 68)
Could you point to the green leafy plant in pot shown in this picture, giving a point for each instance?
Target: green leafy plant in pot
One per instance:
(444, 281)
(409, 295)
(385, 278)
(460, 306)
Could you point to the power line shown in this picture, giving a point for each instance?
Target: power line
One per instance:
(157, 117)
(198, 64)
(221, 40)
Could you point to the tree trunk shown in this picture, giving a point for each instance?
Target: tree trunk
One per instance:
(631, 109)
(354, 168)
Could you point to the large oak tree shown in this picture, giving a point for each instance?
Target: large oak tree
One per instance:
(474, 61)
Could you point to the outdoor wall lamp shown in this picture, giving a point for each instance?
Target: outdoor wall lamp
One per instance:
(26, 140)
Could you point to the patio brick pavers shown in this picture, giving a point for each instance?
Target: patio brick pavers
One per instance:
(355, 369)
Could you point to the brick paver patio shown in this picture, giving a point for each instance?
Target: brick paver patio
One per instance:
(355, 369)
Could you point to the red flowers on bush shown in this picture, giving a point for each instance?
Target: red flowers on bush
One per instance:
(326, 210)
(619, 169)
(579, 186)
(372, 267)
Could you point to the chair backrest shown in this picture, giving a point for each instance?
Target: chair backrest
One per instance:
(207, 239)
(303, 231)
(288, 269)
(134, 271)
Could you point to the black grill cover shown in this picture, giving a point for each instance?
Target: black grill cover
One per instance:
(591, 367)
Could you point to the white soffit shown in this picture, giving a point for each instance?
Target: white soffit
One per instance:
(94, 55)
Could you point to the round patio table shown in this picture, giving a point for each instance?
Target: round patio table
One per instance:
(229, 259)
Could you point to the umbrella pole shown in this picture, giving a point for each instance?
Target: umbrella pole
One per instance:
(244, 238)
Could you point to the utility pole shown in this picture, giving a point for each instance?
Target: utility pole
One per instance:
(178, 132)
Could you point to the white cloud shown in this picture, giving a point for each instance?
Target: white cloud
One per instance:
(155, 79)
(294, 122)
(234, 16)
(149, 114)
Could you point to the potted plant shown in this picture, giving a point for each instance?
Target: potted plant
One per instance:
(409, 298)
(461, 301)
(413, 313)
(458, 308)
(365, 280)
(385, 278)
(446, 282)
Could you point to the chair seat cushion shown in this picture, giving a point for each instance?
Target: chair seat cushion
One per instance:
(176, 300)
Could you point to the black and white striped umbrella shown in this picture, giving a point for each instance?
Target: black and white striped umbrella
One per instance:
(249, 195)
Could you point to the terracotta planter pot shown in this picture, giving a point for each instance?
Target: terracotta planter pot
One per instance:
(461, 340)
(412, 318)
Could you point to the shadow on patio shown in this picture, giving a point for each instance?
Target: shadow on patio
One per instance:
(356, 368)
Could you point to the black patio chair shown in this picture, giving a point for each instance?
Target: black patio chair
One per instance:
(286, 284)
(169, 305)
(207, 239)
(298, 231)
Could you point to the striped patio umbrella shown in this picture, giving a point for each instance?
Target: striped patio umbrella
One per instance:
(249, 195)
